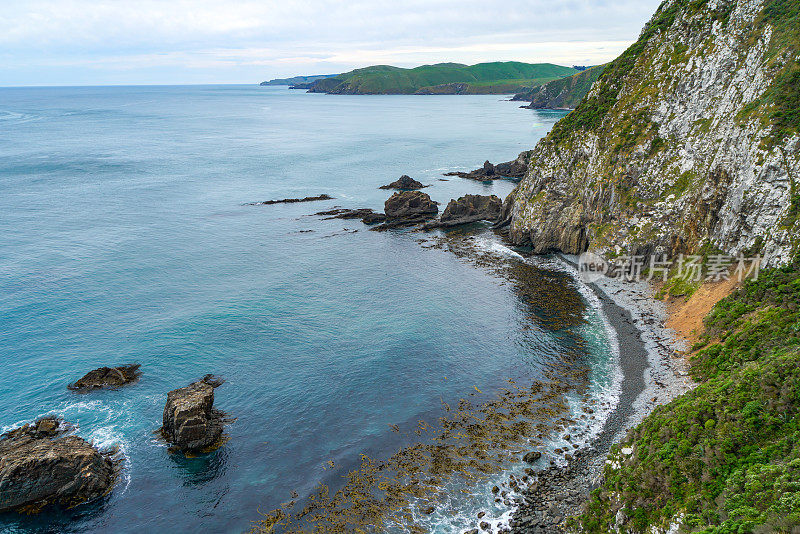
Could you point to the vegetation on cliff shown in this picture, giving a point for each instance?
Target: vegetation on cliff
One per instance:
(487, 78)
(725, 457)
(564, 93)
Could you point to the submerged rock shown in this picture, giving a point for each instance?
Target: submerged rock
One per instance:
(367, 215)
(41, 465)
(191, 423)
(107, 377)
(468, 209)
(404, 183)
(289, 200)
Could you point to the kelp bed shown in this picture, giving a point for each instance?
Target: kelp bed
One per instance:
(470, 442)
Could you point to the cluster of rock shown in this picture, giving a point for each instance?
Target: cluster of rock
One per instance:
(510, 169)
(44, 463)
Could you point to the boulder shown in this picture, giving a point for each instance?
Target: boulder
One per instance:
(410, 205)
(107, 377)
(404, 183)
(191, 424)
(471, 208)
(532, 457)
(41, 464)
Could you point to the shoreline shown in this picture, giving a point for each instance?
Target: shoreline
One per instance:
(652, 375)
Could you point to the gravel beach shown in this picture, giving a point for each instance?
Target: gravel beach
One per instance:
(653, 374)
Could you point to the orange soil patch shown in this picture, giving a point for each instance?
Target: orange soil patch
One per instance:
(685, 316)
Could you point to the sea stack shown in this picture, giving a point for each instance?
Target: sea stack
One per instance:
(191, 424)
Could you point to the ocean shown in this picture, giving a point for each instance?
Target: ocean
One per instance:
(124, 237)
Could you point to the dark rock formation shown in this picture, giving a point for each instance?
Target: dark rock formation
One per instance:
(469, 209)
(367, 215)
(509, 169)
(41, 465)
(532, 457)
(191, 423)
(107, 377)
(410, 205)
(405, 183)
(289, 200)
(407, 208)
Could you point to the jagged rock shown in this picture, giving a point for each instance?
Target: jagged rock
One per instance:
(407, 208)
(107, 377)
(41, 465)
(468, 209)
(405, 183)
(510, 169)
(410, 204)
(191, 423)
(367, 215)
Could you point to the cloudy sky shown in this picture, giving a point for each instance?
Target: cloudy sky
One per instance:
(79, 42)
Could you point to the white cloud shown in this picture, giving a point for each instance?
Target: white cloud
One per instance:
(272, 37)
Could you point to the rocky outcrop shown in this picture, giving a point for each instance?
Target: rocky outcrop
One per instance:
(410, 205)
(289, 200)
(688, 141)
(469, 209)
(510, 169)
(107, 378)
(407, 208)
(404, 183)
(367, 215)
(41, 464)
(191, 424)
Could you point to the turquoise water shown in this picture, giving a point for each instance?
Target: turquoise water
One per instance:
(123, 238)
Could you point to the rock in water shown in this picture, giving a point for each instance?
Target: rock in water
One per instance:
(40, 465)
(509, 169)
(471, 208)
(404, 183)
(532, 457)
(107, 377)
(410, 205)
(191, 424)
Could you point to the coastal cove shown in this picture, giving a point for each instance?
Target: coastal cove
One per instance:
(127, 239)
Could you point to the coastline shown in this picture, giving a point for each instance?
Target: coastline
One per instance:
(652, 374)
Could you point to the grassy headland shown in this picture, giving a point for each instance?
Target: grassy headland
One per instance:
(483, 78)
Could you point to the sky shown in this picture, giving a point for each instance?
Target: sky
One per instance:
(82, 42)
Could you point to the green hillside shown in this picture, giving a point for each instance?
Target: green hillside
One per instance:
(563, 92)
(483, 77)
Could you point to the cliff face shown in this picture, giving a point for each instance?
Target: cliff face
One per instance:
(687, 141)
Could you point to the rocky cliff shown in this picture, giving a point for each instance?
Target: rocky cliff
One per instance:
(688, 141)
